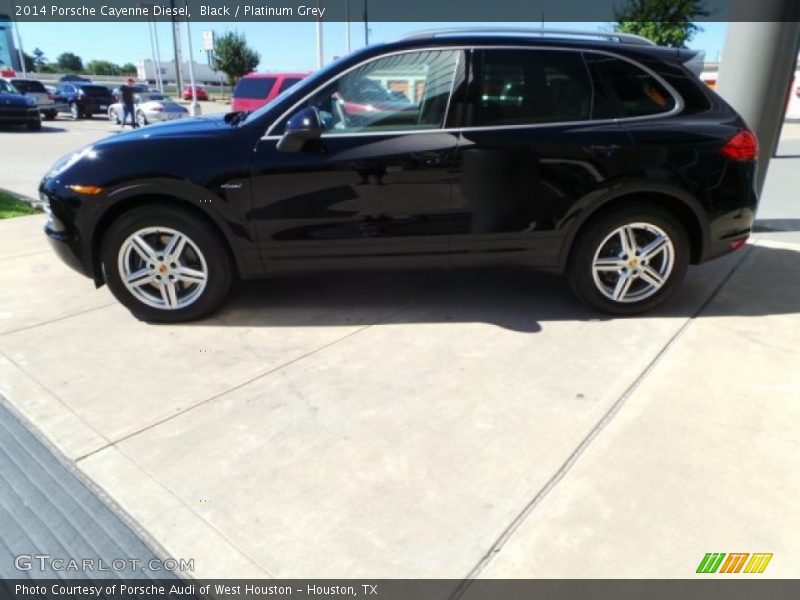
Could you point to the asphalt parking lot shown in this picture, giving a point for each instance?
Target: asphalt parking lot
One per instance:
(426, 424)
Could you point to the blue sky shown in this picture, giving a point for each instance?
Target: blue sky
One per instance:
(283, 46)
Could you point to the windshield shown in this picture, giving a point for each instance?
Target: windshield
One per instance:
(6, 87)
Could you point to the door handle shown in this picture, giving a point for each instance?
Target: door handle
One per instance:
(602, 149)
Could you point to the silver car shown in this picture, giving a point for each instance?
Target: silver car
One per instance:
(149, 108)
(36, 90)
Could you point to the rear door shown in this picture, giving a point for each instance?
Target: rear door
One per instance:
(534, 149)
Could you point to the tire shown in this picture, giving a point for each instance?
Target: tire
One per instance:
(113, 116)
(141, 120)
(606, 277)
(204, 252)
(50, 115)
(34, 125)
(74, 111)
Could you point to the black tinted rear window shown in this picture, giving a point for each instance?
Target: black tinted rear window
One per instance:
(95, 90)
(254, 87)
(26, 85)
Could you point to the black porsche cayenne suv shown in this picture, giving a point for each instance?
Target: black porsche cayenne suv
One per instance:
(600, 155)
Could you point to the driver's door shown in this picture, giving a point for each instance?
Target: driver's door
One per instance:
(374, 190)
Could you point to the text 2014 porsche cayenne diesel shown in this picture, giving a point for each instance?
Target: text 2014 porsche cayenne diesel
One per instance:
(601, 156)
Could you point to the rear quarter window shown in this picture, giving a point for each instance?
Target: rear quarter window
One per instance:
(287, 83)
(254, 87)
(624, 89)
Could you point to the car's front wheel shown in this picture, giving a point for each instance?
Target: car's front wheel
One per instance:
(141, 120)
(629, 260)
(166, 264)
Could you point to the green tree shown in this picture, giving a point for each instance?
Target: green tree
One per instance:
(128, 69)
(102, 67)
(666, 22)
(39, 59)
(69, 62)
(233, 57)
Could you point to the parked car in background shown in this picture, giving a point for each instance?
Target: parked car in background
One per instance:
(17, 109)
(200, 92)
(84, 99)
(78, 78)
(138, 88)
(606, 159)
(36, 90)
(256, 89)
(150, 108)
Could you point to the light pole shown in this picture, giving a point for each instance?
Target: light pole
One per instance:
(347, 22)
(20, 50)
(320, 58)
(176, 42)
(195, 108)
(159, 77)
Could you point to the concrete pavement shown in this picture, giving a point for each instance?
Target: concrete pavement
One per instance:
(427, 424)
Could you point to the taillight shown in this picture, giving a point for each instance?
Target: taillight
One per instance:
(50, 97)
(742, 147)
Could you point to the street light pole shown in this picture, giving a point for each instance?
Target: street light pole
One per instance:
(176, 45)
(320, 56)
(20, 50)
(195, 110)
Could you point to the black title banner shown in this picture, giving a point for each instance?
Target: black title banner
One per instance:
(466, 11)
(713, 588)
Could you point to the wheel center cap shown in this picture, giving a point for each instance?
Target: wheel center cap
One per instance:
(634, 262)
(162, 268)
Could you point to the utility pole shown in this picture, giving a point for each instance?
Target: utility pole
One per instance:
(176, 43)
(160, 77)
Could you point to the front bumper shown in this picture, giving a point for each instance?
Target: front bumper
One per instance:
(20, 115)
(65, 246)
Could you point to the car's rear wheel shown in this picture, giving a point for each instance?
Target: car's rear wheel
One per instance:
(34, 125)
(50, 115)
(629, 260)
(74, 111)
(166, 265)
(113, 116)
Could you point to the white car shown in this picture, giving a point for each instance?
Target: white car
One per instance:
(36, 90)
(149, 108)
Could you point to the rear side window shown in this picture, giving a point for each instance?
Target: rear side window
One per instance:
(626, 90)
(254, 87)
(26, 85)
(287, 83)
(521, 87)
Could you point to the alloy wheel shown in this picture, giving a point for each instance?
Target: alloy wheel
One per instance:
(633, 262)
(163, 268)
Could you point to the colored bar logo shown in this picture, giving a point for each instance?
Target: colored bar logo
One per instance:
(714, 562)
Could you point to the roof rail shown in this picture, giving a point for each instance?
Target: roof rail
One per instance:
(611, 36)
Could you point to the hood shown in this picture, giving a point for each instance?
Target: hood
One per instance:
(16, 100)
(182, 128)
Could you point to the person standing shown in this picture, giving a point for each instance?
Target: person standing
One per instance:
(126, 97)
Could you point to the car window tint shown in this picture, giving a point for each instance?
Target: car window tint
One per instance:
(4, 87)
(26, 85)
(254, 87)
(287, 83)
(95, 90)
(637, 92)
(394, 93)
(513, 87)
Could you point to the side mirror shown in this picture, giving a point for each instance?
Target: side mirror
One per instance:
(303, 126)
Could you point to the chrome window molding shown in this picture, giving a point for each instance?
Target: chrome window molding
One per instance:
(677, 109)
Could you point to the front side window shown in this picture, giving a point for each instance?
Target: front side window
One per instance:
(634, 90)
(401, 92)
(529, 87)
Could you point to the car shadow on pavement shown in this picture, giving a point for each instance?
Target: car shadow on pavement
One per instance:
(25, 130)
(758, 282)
